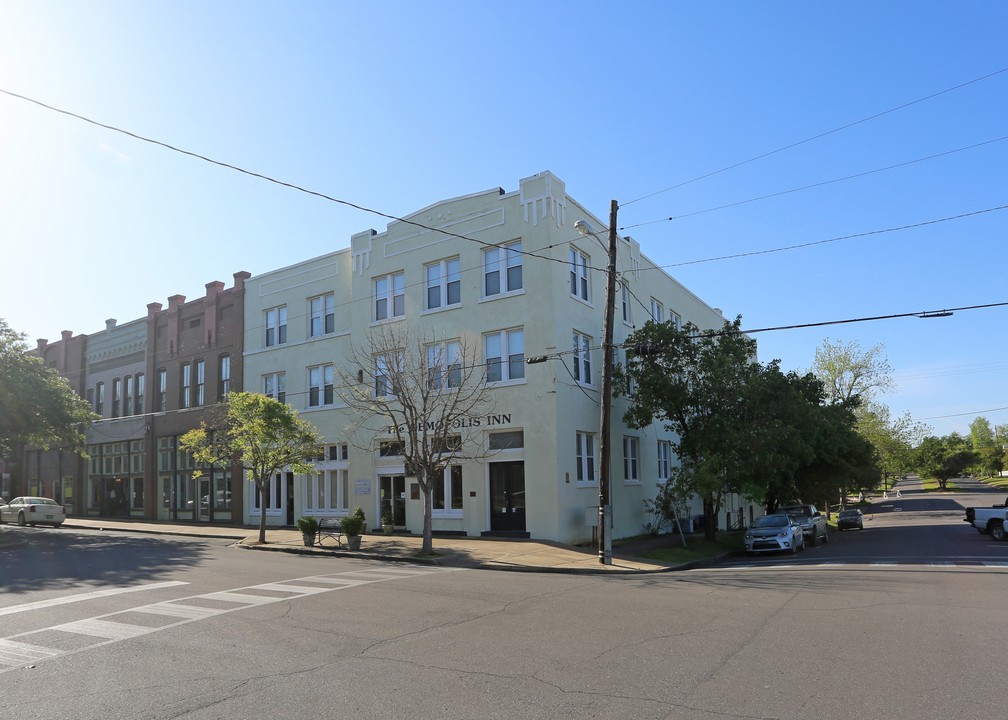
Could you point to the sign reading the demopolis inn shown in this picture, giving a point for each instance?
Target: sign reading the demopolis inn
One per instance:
(459, 423)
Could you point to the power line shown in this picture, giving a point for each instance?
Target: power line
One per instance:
(813, 185)
(261, 176)
(830, 240)
(975, 412)
(817, 137)
(924, 315)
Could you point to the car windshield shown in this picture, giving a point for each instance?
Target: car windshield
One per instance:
(798, 510)
(771, 521)
(849, 513)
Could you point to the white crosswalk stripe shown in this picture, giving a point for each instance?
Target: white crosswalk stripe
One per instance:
(17, 650)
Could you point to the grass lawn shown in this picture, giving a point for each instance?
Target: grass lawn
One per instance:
(931, 485)
(697, 548)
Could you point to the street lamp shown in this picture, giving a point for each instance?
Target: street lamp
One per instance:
(605, 446)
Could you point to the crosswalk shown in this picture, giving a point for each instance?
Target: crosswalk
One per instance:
(29, 648)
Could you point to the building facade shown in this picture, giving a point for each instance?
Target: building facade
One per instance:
(149, 381)
(503, 272)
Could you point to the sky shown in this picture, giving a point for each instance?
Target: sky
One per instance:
(721, 128)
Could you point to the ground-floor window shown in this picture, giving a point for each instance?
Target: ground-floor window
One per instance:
(327, 490)
(447, 493)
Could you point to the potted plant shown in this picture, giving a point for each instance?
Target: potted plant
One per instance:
(309, 529)
(359, 512)
(387, 524)
(352, 525)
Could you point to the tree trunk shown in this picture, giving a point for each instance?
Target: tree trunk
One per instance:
(710, 519)
(426, 487)
(262, 513)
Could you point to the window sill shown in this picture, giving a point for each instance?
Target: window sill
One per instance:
(502, 295)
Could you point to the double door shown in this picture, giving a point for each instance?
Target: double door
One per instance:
(392, 499)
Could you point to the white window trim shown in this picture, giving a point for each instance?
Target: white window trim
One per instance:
(581, 459)
(582, 359)
(389, 297)
(275, 326)
(442, 285)
(631, 460)
(664, 460)
(657, 311)
(506, 250)
(580, 264)
(322, 386)
(445, 488)
(504, 337)
(446, 356)
(324, 300)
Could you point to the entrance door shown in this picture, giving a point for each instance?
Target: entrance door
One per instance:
(507, 496)
(392, 494)
(290, 498)
(204, 499)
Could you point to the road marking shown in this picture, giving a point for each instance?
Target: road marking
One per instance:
(86, 596)
(995, 564)
(105, 629)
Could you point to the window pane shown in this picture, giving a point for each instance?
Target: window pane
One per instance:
(456, 487)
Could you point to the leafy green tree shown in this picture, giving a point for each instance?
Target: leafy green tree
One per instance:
(260, 435)
(694, 382)
(892, 438)
(944, 458)
(843, 461)
(37, 405)
(850, 373)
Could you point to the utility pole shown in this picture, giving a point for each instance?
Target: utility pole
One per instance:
(605, 444)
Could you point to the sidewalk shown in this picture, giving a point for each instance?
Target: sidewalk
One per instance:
(469, 552)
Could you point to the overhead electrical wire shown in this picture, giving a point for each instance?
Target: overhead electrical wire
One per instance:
(812, 185)
(829, 240)
(818, 136)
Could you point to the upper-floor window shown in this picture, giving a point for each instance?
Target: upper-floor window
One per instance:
(223, 376)
(90, 397)
(186, 390)
(657, 311)
(444, 365)
(585, 457)
(138, 406)
(582, 358)
(390, 296)
(385, 369)
(502, 269)
(631, 459)
(320, 385)
(162, 403)
(580, 275)
(625, 300)
(200, 383)
(443, 283)
(675, 320)
(116, 396)
(321, 315)
(275, 386)
(128, 399)
(100, 398)
(275, 320)
(505, 355)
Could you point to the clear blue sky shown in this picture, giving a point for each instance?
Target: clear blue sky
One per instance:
(397, 105)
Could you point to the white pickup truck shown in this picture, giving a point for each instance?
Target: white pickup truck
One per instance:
(992, 520)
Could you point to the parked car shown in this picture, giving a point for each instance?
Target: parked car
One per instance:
(770, 533)
(33, 511)
(850, 518)
(813, 522)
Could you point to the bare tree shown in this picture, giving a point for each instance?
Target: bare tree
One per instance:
(421, 392)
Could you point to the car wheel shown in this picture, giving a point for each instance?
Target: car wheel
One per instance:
(21, 520)
(997, 532)
(825, 536)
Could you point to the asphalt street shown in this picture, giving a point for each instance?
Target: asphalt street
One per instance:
(902, 620)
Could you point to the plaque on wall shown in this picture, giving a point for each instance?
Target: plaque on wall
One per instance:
(362, 487)
(414, 491)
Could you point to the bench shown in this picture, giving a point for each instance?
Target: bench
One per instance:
(331, 528)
